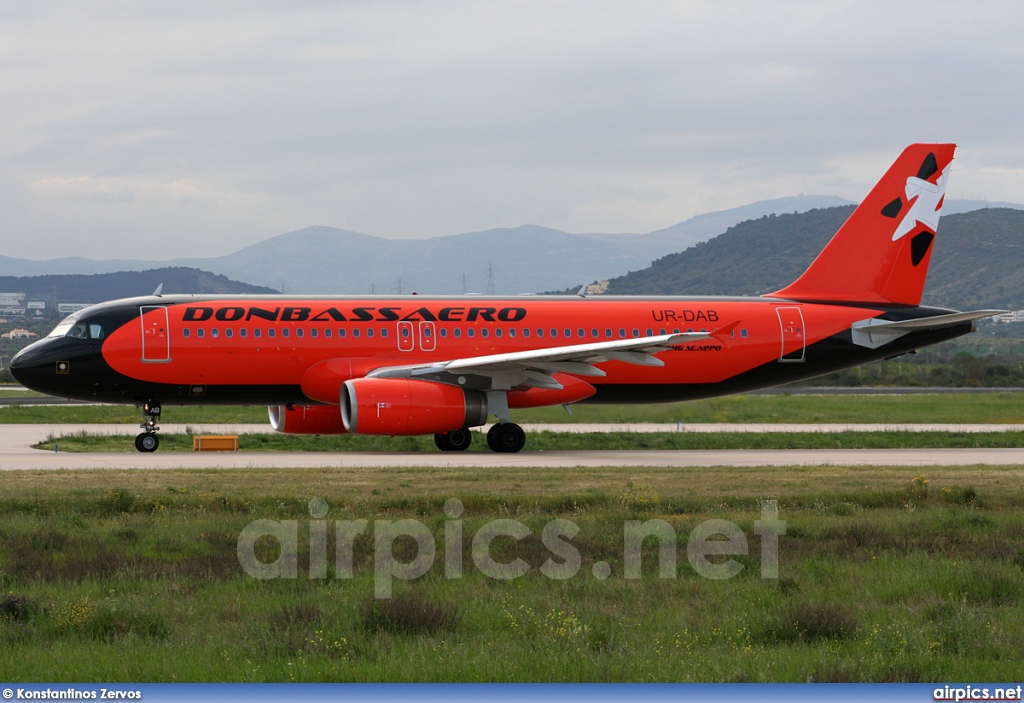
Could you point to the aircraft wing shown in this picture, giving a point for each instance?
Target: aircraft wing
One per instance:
(535, 367)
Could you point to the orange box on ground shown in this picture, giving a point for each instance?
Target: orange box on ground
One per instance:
(215, 443)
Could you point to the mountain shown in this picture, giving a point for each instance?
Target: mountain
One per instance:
(96, 288)
(519, 260)
(525, 259)
(976, 263)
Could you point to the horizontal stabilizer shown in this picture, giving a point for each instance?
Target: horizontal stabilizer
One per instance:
(873, 333)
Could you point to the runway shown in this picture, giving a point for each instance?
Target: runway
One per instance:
(16, 453)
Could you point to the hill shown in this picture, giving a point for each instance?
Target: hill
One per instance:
(96, 288)
(523, 259)
(977, 261)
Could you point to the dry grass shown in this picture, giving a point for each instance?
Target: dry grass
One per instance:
(675, 483)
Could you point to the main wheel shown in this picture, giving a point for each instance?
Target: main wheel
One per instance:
(454, 441)
(147, 442)
(507, 438)
(460, 439)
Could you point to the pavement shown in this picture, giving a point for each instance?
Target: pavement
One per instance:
(16, 452)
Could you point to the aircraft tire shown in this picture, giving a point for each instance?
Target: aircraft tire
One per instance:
(442, 443)
(506, 438)
(459, 440)
(147, 442)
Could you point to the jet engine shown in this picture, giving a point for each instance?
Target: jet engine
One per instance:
(306, 419)
(400, 406)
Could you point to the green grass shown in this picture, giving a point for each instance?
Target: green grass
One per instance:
(948, 408)
(885, 578)
(564, 441)
(8, 393)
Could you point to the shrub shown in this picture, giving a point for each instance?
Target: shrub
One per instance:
(17, 607)
(810, 622)
(408, 613)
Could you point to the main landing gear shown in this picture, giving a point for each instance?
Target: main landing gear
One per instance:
(147, 441)
(454, 441)
(506, 437)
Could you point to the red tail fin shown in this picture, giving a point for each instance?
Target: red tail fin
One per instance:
(881, 254)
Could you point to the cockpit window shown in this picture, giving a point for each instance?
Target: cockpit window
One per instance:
(79, 331)
(65, 325)
(71, 327)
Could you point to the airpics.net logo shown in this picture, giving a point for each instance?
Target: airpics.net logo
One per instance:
(710, 547)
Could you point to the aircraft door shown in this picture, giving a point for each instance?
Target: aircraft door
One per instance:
(428, 343)
(794, 339)
(406, 336)
(156, 336)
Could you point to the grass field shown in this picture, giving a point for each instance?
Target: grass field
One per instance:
(965, 407)
(885, 575)
(562, 441)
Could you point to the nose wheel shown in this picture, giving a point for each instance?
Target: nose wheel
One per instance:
(147, 441)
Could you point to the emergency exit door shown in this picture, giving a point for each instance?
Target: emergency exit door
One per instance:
(794, 337)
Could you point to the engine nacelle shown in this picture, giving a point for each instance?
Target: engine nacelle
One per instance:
(306, 419)
(400, 406)
(573, 391)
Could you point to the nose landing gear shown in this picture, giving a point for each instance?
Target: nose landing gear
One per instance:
(147, 441)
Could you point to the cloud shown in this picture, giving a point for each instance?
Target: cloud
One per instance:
(208, 126)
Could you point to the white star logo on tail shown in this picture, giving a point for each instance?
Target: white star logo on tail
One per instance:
(926, 208)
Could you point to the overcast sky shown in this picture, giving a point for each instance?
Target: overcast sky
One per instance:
(179, 128)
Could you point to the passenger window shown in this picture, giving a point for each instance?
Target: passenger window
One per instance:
(540, 332)
(484, 332)
(327, 332)
(199, 332)
(568, 333)
(383, 332)
(257, 333)
(228, 332)
(470, 332)
(369, 332)
(608, 333)
(298, 332)
(185, 332)
(285, 332)
(312, 332)
(444, 332)
(512, 332)
(243, 333)
(271, 332)
(554, 332)
(526, 331)
(662, 331)
(341, 332)
(214, 333)
(355, 332)
(743, 333)
(650, 332)
(622, 333)
(636, 332)
(593, 333)
(497, 332)
(581, 333)
(457, 331)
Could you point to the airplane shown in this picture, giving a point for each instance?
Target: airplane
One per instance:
(415, 365)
